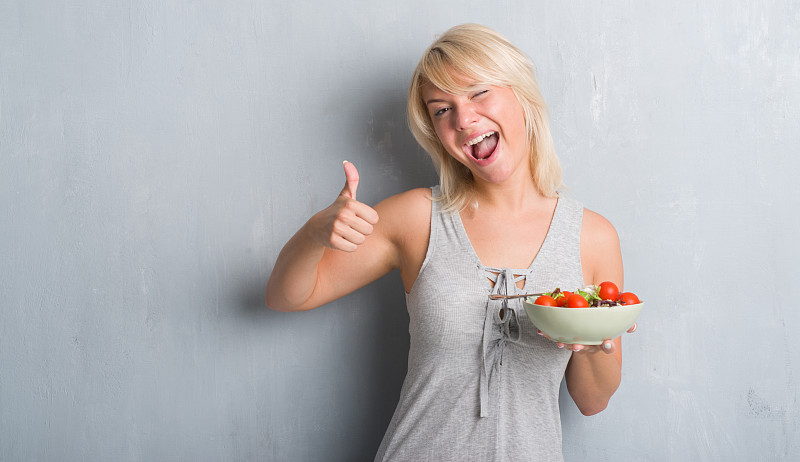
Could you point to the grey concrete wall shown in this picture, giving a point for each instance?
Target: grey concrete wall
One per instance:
(156, 155)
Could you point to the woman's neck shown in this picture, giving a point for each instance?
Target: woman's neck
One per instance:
(513, 196)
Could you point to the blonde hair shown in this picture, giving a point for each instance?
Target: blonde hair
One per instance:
(487, 58)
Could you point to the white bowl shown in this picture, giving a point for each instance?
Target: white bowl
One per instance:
(584, 326)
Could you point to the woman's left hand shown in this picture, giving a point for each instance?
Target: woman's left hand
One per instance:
(608, 346)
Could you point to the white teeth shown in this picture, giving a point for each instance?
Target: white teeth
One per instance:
(479, 139)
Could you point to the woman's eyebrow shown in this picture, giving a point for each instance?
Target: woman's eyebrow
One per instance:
(469, 89)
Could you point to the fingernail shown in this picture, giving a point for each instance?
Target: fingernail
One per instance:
(577, 348)
(539, 332)
(560, 345)
(607, 345)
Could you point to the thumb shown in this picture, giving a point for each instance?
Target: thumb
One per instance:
(351, 185)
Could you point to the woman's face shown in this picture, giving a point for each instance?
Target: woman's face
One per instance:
(483, 129)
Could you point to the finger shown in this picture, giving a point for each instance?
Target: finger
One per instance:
(609, 346)
(348, 233)
(543, 334)
(350, 186)
(364, 212)
(359, 225)
(354, 213)
(340, 243)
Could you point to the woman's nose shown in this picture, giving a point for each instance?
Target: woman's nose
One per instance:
(466, 116)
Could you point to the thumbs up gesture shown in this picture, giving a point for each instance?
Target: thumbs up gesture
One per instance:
(346, 223)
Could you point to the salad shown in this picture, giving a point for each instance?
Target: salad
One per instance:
(605, 294)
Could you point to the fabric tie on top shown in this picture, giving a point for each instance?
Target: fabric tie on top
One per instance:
(501, 324)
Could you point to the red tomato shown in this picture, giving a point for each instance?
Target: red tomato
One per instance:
(562, 300)
(608, 291)
(628, 298)
(577, 301)
(546, 300)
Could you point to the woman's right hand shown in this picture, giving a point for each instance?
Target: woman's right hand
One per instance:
(346, 223)
(308, 274)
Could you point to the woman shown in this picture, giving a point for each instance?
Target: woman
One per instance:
(481, 385)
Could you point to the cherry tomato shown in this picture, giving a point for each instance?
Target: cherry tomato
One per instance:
(577, 301)
(546, 300)
(562, 300)
(608, 291)
(628, 298)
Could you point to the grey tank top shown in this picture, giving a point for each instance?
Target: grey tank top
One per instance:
(481, 386)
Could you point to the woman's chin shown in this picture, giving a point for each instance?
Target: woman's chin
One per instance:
(498, 176)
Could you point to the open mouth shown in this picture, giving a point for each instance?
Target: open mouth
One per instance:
(483, 146)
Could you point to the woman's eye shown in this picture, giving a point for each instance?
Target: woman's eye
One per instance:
(441, 111)
(482, 92)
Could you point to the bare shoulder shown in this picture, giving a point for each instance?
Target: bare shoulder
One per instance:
(600, 250)
(406, 221)
(597, 230)
(413, 197)
(406, 212)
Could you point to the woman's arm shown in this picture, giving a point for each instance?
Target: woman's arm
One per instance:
(593, 373)
(339, 250)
